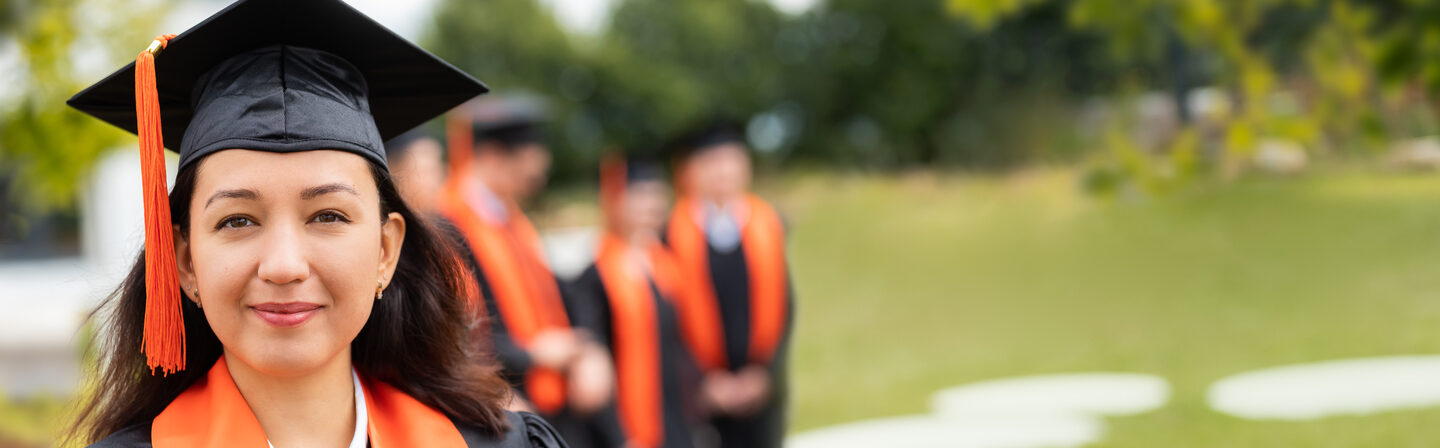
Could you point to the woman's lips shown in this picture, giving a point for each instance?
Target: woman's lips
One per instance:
(288, 314)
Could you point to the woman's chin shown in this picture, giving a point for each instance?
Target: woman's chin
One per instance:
(286, 359)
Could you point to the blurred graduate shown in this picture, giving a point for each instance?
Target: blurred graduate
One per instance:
(737, 306)
(287, 295)
(560, 372)
(417, 163)
(631, 289)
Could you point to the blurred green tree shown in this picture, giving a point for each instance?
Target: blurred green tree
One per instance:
(45, 147)
(892, 84)
(658, 66)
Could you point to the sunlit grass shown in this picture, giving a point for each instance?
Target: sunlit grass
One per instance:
(33, 421)
(913, 284)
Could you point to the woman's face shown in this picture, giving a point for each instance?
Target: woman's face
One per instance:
(285, 252)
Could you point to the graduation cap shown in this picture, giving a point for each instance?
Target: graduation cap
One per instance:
(510, 120)
(398, 146)
(267, 75)
(707, 135)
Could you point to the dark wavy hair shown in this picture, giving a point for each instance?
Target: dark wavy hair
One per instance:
(420, 340)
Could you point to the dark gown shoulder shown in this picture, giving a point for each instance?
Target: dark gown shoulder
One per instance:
(526, 431)
(134, 436)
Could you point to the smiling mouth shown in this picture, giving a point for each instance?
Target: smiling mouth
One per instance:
(285, 314)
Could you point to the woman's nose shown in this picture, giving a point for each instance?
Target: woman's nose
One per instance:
(284, 259)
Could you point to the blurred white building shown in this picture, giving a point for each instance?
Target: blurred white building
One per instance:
(45, 301)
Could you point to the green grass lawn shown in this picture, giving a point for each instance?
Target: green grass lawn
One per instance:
(910, 285)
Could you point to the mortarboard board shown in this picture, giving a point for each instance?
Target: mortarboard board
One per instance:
(342, 55)
(268, 75)
(708, 134)
(510, 120)
(397, 146)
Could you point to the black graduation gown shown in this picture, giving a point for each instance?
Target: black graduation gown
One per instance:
(514, 360)
(731, 276)
(679, 375)
(526, 431)
(598, 430)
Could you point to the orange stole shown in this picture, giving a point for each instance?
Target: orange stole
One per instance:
(525, 291)
(763, 237)
(637, 340)
(212, 413)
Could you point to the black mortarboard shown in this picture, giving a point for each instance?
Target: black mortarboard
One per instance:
(285, 76)
(268, 75)
(397, 146)
(643, 166)
(643, 170)
(708, 134)
(510, 120)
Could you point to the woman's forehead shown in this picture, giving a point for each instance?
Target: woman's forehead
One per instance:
(298, 171)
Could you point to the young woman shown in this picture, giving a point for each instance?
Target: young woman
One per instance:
(287, 295)
(629, 296)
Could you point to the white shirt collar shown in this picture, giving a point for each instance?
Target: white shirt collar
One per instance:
(362, 417)
(489, 206)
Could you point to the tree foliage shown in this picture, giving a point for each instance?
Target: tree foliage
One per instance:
(46, 147)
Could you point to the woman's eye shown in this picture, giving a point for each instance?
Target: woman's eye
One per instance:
(329, 217)
(235, 222)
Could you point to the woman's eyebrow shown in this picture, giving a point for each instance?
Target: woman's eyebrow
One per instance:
(241, 193)
(318, 190)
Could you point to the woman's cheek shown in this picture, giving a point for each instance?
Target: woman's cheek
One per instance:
(221, 285)
(350, 275)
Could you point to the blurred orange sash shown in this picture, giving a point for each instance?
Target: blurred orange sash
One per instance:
(212, 413)
(763, 237)
(637, 339)
(525, 291)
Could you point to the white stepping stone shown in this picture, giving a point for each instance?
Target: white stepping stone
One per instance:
(1342, 387)
(928, 431)
(1095, 394)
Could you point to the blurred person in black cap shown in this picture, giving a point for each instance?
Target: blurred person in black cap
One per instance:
(418, 166)
(287, 295)
(737, 308)
(631, 292)
(557, 370)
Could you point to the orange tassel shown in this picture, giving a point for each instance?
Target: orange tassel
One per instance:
(164, 340)
(460, 140)
(612, 187)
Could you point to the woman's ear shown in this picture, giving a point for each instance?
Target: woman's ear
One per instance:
(392, 236)
(185, 263)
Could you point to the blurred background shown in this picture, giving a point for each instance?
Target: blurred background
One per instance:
(976, 190)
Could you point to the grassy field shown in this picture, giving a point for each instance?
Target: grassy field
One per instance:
(915, 284)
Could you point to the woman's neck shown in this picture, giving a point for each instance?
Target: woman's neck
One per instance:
(315, 408)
